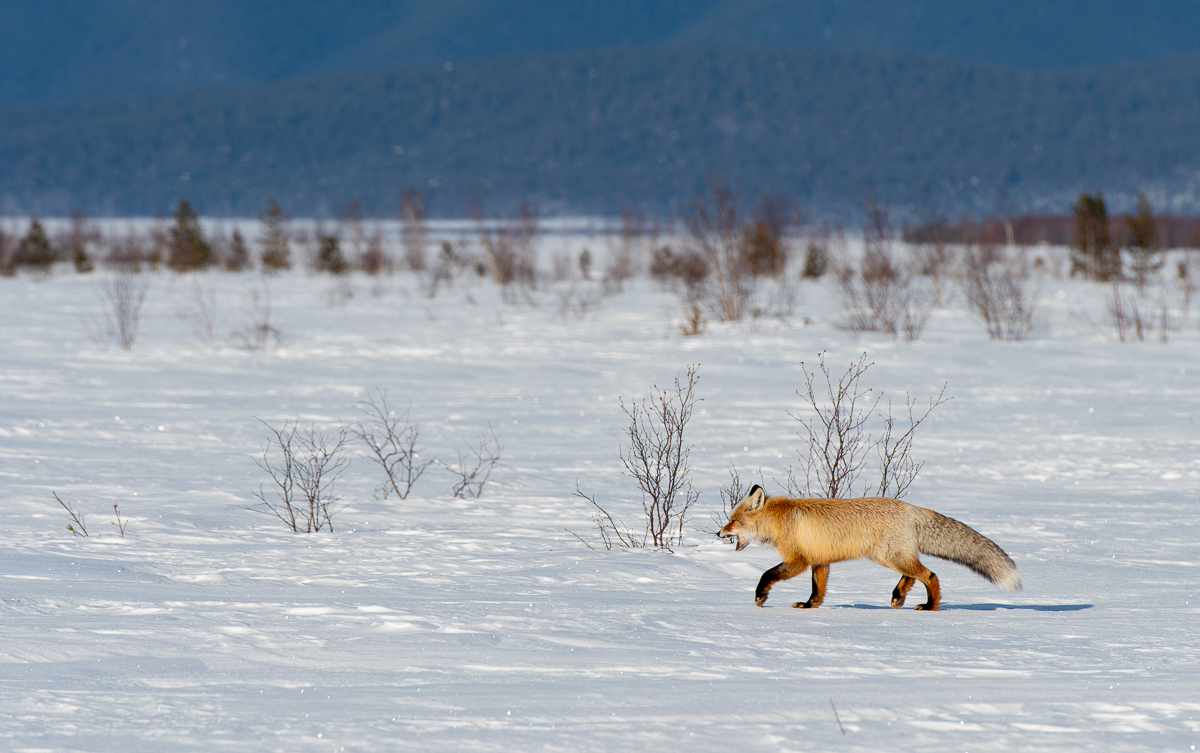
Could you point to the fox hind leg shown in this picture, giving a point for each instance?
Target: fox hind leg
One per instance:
(820, 575)
(934, 591)
(782, 571)
(901, 591)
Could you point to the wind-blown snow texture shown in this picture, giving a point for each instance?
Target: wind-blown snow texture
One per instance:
(442, 624)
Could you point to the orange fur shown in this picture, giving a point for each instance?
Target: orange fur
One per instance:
(817, 532)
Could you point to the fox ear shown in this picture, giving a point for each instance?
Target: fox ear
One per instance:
(755, 499)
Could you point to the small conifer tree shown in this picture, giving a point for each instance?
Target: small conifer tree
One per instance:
(1145, 255)
(273, 239)
(35, 250)
(187, 248)
(239, 253)
(1093, 253)
(816, 260)
(330, 258)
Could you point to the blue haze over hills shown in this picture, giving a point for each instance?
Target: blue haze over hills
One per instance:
(122, 106)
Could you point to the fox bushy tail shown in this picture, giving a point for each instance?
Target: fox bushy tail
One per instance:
(951, 540)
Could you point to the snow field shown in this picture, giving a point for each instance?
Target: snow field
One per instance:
(436, 623)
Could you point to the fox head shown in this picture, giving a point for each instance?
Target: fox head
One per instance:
(742, 525)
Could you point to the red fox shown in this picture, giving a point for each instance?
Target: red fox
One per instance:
(887, 531)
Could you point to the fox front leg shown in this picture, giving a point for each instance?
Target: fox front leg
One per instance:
(820, 575)
(782, 571)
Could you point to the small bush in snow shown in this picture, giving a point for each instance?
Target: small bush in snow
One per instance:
(838, 443)
(392, 441)
(657, 459)
(304, 465)
(473, 468)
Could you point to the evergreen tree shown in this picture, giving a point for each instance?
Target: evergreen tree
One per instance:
(35, 250)
(1093, 253)
(187, 248)
(330, 258)
(273, 239)
(239, 253)
(1145, 255)
(77, 240)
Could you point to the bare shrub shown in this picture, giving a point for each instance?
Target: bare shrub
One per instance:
(412, 236)
(1000, 292)
(882, 295)
(258, 332)
(119, 523)
(76, 526)
(612, 531)
(509, 248)
(657, 458)
(449, 263)
(374, 259)
(127, 252)
(473, 467)
(121, 297)
(1185, 285)
(730, 495)
(1126, 316)
(715, 234)
(76, 243)
(627, 245)
(563, 266)
(578, 302)
(304, 465)
(393, 442)
(200, 312)
(838, 442)
(693, 319)
(687, 268)
(1134, 319)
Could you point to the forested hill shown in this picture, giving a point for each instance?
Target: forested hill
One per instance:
(590, 130)
(67, 50)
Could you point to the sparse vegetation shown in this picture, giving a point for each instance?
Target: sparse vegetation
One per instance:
(837, 442)
(34, 251)
(657, 458)
(1145, 254)
(258, 332)
(1001, 292)
(393, 443)
(304, 466)
(1093, 253)
(274, 240)
(77, 525)
(121, 299)
(473, 467)
(188, 250)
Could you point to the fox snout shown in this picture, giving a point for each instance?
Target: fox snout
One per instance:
(740, 543)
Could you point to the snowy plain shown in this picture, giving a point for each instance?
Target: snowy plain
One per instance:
(436, 623)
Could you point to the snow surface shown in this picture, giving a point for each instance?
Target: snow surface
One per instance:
(437, 623)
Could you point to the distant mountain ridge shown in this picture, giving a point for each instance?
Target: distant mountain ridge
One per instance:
(588, 131)
(66, 50)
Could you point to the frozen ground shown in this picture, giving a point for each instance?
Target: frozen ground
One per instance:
(442, 624)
